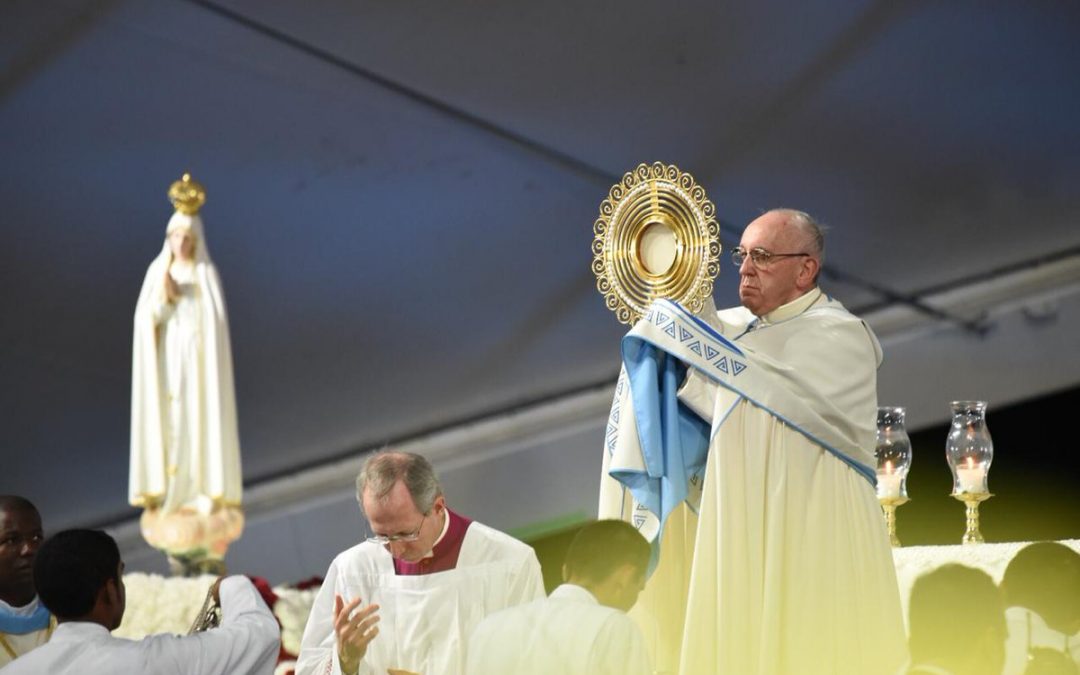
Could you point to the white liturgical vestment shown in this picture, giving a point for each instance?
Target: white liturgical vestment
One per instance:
(425, 620)
(246, 643)
(17, 641)
(787, 567)
(568, 633)
(185, 448)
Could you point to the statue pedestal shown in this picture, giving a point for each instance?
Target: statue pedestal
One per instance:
(194, 542)
(195, 565)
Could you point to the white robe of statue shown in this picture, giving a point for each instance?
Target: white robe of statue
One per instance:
(185, 450)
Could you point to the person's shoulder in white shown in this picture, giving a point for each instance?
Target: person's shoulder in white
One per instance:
(80, 580)
(568, 632)
(497, 544)
(246, 642)
(730, 322)
(582, 626)
(482, 545)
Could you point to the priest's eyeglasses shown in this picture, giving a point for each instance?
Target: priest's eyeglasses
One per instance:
(384, 539)
(759, 256)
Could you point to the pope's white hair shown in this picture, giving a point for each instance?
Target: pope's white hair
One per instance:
(812, 231)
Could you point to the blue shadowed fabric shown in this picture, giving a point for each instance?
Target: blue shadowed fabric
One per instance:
(674, 440)
(13, 624)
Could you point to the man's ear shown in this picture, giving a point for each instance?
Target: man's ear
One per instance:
(625, 576)
(102, 599)
(810, 268)
(621, 578)
(108, 594)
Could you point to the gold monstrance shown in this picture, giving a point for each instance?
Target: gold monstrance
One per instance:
(656, 237)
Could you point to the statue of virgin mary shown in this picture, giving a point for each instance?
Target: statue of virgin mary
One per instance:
(185, 449)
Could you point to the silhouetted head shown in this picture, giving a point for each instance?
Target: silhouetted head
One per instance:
(1045, 578)
(79, 577)
(610, 559)
(971, 645)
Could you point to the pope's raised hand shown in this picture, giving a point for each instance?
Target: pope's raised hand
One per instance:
(354, 629)
(708, 314)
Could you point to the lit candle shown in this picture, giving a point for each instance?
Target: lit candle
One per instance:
(971, 478)
(888, 482)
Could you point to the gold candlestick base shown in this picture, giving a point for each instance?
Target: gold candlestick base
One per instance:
(971, 500)
(888, 506)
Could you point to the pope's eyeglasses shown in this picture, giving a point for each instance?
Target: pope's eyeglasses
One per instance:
(759, 256)
(384, 539)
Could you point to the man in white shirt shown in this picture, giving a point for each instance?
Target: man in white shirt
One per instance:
(1041, 586)
(582, 627)
(24, 621)
(78, 574)
(407, 598)
(784, 565)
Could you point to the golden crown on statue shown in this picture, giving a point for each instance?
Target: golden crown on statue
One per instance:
(187, 195)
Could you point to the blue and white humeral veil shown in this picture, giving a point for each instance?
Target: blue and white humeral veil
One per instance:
(656, 447)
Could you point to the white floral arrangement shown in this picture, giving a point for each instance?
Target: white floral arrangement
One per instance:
(157, 604)
(292, 610)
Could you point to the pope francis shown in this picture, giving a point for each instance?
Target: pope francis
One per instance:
(761, 419)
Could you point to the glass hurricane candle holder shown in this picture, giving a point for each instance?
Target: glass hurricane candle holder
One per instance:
(969, 451)
(893, 453)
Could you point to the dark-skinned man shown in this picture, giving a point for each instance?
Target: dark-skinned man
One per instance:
(24, 621)
(79, 577)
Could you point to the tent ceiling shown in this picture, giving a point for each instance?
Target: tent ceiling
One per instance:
(401, 198)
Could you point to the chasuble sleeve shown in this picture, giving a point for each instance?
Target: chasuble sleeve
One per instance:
(831, 362)
(699, 394)
(619, 649)
(820, 369)
(528, 584)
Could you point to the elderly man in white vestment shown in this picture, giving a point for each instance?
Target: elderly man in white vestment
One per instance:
(581, 628)
(79, 578)
(787, 568)
(407, 598)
